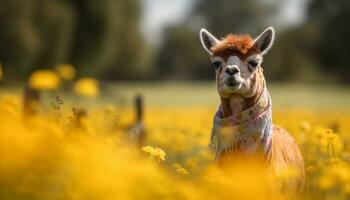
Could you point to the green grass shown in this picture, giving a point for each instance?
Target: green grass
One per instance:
(204, 94)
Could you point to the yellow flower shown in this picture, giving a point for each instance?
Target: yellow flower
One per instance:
(347, 188)
(326, 182)
(305, 126)
(88, 87)
(44, 80)
(159, 153)
(155, 152)
(147, 149)
(66, 71)
(330, 134)
(180, 169)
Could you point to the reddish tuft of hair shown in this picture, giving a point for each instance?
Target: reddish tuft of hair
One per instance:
(238, 43)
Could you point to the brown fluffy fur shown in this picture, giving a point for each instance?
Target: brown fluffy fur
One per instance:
(286, 153)
(241, 45)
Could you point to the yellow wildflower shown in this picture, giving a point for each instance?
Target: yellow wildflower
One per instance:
(180, 169)
(342, 172)
(66, 71)
(330, 134)
(305, 126)
(347, 188)
(88, 87)
(326, 181)
(147, 149)
(155, 152)
(44, 80)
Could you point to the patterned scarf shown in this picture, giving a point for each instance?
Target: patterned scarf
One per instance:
(247, 132)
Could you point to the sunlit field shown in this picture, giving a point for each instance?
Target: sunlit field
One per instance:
(173, 100)
(80, 145)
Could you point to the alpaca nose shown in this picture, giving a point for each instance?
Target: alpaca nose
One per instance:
(232, 70)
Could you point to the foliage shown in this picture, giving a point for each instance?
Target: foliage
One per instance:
(97, 37)
(332, 38)
(103, 38)
(66, 71)
(302, 52)
(181, 55)
(250, 16)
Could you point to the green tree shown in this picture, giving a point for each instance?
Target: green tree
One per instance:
(332, 40)
(290, 59)
(225, 16)
(107, 40)
(34, 34)
(99, 37)
(181, 55)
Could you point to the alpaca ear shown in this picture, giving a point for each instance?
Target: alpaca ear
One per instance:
(265, 40)
(207, 40)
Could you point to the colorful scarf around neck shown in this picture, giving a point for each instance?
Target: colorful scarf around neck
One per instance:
(248, 132)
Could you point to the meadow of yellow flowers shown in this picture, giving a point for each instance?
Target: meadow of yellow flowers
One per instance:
(60, 153)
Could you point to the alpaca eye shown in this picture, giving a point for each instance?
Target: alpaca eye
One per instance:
(216, 65)
(253, 63)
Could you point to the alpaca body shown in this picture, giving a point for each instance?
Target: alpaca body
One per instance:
(272, 142)
(243, 124)
(286, 155)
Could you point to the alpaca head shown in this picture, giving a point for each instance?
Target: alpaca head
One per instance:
(236, 60)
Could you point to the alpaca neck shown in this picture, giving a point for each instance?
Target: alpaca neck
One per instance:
(235, 103)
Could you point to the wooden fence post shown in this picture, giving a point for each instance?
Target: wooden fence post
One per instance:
(138, 132)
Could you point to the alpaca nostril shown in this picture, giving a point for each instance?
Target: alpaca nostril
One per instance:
(231, 70)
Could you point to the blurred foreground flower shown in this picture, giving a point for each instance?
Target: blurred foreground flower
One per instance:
(44, 80)
(305, 126)
(155, 152)
(180, 169)
(66, 71)
(88, 87)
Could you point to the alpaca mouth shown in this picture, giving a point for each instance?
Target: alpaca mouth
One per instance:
(231, 82)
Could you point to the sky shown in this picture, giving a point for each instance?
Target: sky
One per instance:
(159, 13)
(292, 11)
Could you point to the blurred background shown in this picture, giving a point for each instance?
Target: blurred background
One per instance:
(157, 40)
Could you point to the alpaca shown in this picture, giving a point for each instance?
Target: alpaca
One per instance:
(243, 122)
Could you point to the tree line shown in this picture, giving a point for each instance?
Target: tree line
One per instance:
(103, 38)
